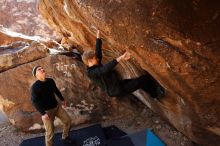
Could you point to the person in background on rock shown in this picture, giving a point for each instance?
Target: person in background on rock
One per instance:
(43, 98)
(105, 76)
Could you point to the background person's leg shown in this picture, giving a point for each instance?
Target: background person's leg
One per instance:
(49, 131)
(65, 118)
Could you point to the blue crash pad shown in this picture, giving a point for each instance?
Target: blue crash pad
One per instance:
(153, 140)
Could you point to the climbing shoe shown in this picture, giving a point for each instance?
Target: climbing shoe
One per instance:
(160, 92)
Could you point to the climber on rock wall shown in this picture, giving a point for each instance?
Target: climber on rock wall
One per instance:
(106, 77)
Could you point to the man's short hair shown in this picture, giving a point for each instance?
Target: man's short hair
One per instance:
(34, 70)
(89, 54)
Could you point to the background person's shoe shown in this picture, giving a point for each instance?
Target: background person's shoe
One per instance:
(67, 140)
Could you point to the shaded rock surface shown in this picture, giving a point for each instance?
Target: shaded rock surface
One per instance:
(22, 16)
(71, 80)
(176, 42)
(17, 49)
(21, 53)
(18, 55)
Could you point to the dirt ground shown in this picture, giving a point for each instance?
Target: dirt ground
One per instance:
(128, 115)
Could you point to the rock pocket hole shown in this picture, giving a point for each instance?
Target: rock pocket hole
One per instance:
(74, 54)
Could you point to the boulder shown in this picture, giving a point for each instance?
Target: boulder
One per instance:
(177, 42)
(19, 53)
(69, 74)
(22, 16)
(7, 37)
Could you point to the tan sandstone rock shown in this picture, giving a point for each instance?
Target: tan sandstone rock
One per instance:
(69, 75)
(8, 37)
(20, 53)
(22, 16)
(177, 42)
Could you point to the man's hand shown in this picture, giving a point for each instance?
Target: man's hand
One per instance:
(64, 103)
(45, 117)
(126, 56)
(97, 35)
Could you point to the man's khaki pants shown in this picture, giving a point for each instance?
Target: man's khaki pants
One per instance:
(60, 113)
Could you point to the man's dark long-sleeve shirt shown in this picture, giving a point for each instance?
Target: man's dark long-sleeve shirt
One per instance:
(43, 95)
(104, 75)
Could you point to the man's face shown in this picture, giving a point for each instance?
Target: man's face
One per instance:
(93, 61)
(40, 73)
